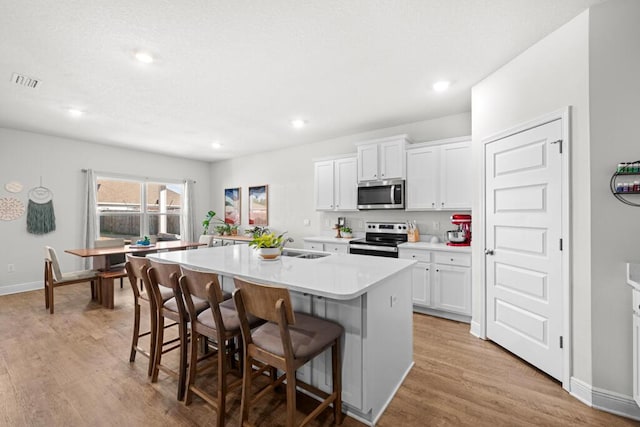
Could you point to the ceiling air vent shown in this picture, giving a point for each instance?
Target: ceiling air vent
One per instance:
(26, 81)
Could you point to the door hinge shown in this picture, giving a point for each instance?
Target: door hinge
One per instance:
(560, 244)
(561, 343)
(559, 142)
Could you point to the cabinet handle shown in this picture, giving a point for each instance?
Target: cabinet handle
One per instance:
(427, 269)
(437, 271)
(413, 256)
(337, 206)
(442, 203)
(375, 175)
(330, 206)
(433, 204)
(451, 259)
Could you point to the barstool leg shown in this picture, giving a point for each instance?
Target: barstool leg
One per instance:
(246, 389)
(136, 333)
(182, 370)
(337, 382)
(158, 348)
(291, 397)
(222, 381)
(152, 339)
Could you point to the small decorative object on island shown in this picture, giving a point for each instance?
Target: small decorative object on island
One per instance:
(144, 241)
(346, 232)
(268, 245)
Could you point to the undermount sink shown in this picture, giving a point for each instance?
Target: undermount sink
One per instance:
(303, 255)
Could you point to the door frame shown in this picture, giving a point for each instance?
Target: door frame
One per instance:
(564, 115)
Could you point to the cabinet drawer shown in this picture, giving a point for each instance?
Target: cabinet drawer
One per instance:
(453, 259)
(418, 255)
(315, 246)
(336, 248)
(636, 301)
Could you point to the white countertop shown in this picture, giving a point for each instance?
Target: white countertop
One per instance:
(329, 239)
(633, 275)
(336, 276)
(435, 247)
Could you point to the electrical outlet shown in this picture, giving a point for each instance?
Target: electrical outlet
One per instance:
(11, 268)
(360, 224)
(436, 225)
(394, 300)
(307, 222)
(327, 223)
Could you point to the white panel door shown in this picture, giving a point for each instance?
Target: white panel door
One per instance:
(523, 232)
(323, 179)
(346, 184)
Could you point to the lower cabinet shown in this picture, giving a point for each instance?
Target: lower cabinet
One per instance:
(335, 248)
(441, 281)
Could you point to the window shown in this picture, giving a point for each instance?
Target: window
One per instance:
(130, 208)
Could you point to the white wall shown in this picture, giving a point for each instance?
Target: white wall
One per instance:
(614, 90)
(25, 157)
(289, 174)
(547, 77)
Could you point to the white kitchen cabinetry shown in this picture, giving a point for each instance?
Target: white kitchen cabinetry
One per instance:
(441, 282)
(382, 159)
(336, 184)
(333, 245)
(439, 175)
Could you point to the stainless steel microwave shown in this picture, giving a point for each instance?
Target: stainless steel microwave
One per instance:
(381, 194)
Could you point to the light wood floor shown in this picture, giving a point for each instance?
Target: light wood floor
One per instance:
(72, 369)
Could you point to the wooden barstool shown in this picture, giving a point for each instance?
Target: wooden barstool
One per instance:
(219, 323)
(137, 271)
(166, 275)
(285, 342)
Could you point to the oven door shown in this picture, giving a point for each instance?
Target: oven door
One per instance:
(374, 250)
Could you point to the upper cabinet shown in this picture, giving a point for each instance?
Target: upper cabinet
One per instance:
(336, 185)
(382, 159)
(439, 175)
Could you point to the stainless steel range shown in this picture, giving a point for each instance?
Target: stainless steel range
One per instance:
(381, 239)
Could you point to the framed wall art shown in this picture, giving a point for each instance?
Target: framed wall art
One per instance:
(232, 207)
(258, 205)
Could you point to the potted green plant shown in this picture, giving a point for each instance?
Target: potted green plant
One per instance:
(346, 232)
(257, 231)
(268, 245)
(208, 220)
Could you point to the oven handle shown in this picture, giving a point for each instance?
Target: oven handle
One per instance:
(373, 248)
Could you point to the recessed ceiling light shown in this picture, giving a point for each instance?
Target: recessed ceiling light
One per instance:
(216, 145)
(441, 86)
(73, 112)
(298, 123)
(144, 57)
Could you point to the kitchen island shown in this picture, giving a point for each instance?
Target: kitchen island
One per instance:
(369, 296)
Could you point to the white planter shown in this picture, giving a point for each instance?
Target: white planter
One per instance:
(269, 253)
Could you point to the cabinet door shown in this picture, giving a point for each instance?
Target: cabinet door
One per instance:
(336, 248)
(367, 162)
(346, 184)
(323, 178)
(455, 176)
(452, 289)
(349, 315)
(392, 160)
(423, 178)
(316, 246)
(421, 277)
(636, 356)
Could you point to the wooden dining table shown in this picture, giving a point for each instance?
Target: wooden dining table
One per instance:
(101, 261)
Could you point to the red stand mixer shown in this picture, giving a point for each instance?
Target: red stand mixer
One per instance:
(461, 236)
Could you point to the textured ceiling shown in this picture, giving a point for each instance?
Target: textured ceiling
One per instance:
(237, 72)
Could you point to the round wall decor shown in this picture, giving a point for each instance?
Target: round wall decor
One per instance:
(10, 208)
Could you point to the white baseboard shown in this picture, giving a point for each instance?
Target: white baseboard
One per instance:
(475, 329)
(605, 400)
(21, 287)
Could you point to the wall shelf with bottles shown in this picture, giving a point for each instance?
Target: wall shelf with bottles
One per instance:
(625, 182)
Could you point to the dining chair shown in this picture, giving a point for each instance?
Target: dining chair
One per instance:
(54, 277)
(219, 323)
(286, 341)
(206, 239)
(164, 276)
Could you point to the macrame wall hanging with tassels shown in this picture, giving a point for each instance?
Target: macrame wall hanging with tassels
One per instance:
(40, 216)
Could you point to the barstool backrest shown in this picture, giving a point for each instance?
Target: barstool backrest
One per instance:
(261, 300)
